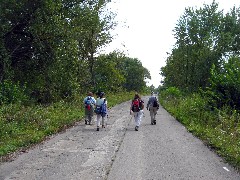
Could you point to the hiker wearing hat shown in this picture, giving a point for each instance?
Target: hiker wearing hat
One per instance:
(101, 110)
(136, 109)
(153, 106)
(89, 103)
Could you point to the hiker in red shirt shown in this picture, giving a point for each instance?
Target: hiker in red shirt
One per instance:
(137, 110)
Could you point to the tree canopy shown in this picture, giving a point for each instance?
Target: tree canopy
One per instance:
(204, 37)
(53, 49)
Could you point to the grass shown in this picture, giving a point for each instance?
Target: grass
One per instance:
(24, 126)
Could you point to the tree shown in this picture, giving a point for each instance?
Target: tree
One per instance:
(108, 76)
(52, 45)
(197, 47)
(224, 86)
(135, 75)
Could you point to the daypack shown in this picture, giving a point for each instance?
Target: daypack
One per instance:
(155, 103)
(88, 103)
(104, 108)
(136, 105)
(101, 109)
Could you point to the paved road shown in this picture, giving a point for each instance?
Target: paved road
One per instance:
(157, 152)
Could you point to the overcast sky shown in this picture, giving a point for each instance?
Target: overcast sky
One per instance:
(145, 29)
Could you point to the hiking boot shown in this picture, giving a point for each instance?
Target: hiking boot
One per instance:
(97, 128)
(136, 128)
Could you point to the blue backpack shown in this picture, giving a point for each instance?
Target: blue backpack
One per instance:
(104, 108)
(88, 103)
(101, 109)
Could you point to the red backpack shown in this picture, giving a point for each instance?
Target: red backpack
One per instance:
(136, 105)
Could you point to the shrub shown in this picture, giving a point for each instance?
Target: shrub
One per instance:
(224, 89)
(12, 93)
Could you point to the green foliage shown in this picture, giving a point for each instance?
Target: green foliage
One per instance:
(224, 89)
(53, 48)
(108, 76)
(204, 37)
(171, 93)
(12, 93)
(49, 44)
(135, 74)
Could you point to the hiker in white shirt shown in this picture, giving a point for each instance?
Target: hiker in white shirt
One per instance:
(101, 115)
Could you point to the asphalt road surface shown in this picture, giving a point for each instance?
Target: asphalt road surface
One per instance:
(165, 151)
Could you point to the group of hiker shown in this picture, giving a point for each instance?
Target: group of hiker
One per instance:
(99, 106)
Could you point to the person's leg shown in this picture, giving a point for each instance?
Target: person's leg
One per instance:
(152, 115)
(86, 116)
(138, 119)
(155, 113)
(98, 121)
(90, 117)
(103, 122)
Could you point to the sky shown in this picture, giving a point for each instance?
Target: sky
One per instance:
(145, 29)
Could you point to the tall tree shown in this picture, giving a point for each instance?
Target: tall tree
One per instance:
(135, 75)
(197, 47)
(93, 34)
(50, 44)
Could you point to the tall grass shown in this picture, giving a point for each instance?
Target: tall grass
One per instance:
(219, 129)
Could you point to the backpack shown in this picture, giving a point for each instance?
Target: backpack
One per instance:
(155, 103)
(104, 108)
(101, 109)
(88, 103)
(136, 105)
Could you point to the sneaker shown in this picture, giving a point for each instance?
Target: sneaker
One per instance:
(103, 126)
(97, 128)
(155, 122)
(85, 121)
(136, 128)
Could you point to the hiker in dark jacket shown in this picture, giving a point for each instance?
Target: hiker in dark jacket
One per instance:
(153, 106)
